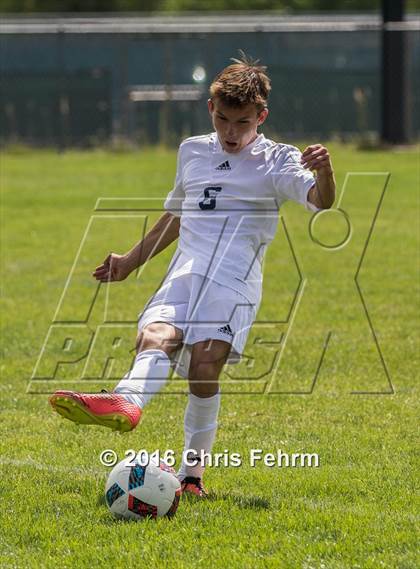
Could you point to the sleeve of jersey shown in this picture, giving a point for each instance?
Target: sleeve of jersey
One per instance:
(173, 202)
(291, 180)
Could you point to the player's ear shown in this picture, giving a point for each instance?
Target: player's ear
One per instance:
(210, 106)
(262, 116)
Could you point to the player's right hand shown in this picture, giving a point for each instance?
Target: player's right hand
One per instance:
(114, 268)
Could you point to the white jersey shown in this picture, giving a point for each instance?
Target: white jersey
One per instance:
(229, 205)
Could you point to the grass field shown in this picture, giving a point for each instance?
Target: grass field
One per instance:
(359, 508)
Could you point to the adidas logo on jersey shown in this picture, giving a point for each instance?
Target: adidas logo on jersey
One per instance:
(225, 330)
(224, 166)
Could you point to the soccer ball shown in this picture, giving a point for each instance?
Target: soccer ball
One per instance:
(135, 492)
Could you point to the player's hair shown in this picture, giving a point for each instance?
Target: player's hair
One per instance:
(242, 83)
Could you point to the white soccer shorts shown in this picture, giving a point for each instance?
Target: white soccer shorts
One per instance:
(204, 310)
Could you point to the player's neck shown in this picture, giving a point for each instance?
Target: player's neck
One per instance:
(249, 145)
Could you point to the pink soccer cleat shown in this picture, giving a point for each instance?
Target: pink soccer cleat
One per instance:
(106, 409)
(193, 486)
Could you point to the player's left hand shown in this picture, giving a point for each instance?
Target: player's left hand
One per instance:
(316, 157)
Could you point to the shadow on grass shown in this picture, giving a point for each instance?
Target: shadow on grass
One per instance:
(238, 500)
(101, 501)
(242, 501)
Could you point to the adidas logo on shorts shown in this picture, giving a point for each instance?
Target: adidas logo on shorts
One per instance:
(224, 166)
(225, 330)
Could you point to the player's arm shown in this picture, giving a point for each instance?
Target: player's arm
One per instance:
(317, 158)
(118, 267)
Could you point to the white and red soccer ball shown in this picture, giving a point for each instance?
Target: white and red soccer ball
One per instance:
(135, 492)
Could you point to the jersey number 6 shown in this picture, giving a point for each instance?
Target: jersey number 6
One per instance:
(209, 200)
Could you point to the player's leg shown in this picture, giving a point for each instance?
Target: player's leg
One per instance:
(149, 374)
(200, 422)
(122, 409)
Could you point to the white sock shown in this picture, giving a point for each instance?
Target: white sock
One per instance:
(200, 426)
(147, 377)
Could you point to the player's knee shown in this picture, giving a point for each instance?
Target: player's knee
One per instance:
(153, 337)
(204, 379)
(204, 389)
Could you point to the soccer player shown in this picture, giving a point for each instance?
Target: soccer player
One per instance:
(228, 184)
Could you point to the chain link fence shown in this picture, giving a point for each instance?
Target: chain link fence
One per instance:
(88, 81)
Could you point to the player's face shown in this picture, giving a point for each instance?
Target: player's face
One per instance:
(236, 127)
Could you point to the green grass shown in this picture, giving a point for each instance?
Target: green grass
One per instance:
(358, 509)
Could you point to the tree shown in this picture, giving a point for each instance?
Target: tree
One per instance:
(291, 6)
